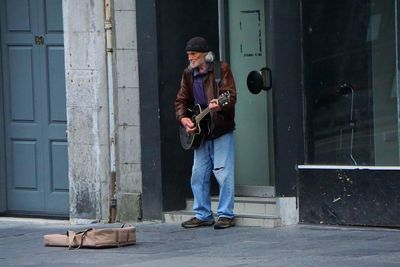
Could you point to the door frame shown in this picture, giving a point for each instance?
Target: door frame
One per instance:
(3, 187)
(223, 21)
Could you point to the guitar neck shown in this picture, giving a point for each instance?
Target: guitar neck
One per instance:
(202, 114)
(222, 100)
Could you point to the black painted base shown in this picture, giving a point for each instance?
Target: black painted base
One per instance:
(350, 197)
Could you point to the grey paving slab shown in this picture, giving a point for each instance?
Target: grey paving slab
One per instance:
(161, 244)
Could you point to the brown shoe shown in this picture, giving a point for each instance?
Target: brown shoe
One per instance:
(194, 222)
(224, 222)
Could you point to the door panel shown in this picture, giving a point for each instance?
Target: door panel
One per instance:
(25, 189)
(54, 18)
(35, 107)
(24, 155)
(247, 44)
(56, 82)
(57, 194)
(22, 22)
(21, 83)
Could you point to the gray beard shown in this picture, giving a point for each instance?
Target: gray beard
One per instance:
(193, 65)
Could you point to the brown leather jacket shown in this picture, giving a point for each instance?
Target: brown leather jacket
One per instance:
(223, 121)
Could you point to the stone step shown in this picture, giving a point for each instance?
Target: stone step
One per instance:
(245, 205)
(249, 211)
(240, 219)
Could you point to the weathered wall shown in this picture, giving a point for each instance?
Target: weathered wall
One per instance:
(88, 110)
(87, 116)
(129, 173)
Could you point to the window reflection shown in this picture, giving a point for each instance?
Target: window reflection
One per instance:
(351, 82)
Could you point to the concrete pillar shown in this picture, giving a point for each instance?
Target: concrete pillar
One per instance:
(87, 110)
(288, 210)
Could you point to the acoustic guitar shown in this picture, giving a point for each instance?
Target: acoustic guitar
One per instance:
(201, 119)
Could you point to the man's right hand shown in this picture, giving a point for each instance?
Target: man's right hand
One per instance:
(189, 126)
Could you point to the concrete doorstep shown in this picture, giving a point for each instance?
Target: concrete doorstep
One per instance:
(249, 211)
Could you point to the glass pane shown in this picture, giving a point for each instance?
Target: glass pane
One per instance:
(247, 52)
(351, 82)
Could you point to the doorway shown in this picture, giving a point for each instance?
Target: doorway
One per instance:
(247, 48)
(34, 105)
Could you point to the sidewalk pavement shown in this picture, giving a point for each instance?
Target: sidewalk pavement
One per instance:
(170, 245)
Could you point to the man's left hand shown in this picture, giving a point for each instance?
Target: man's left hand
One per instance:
(214, 106)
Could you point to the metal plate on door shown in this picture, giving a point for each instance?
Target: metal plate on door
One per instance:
(39, 40)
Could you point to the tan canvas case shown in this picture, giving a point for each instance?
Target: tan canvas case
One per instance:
(93, 238)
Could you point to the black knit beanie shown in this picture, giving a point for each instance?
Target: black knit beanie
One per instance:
(197, 44)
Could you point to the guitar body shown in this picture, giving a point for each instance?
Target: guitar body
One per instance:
(194, 140)
(201, 119)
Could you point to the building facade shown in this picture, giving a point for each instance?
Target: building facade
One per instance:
(87, 125)
(78, 91)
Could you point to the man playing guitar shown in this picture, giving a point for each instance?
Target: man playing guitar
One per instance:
(215, 154)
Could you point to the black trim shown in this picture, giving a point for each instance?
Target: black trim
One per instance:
(285, 61)
(226, 32)
(146, 19)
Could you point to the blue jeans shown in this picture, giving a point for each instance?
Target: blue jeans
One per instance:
(214, 156)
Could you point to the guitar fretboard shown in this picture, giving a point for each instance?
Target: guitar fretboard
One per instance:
(202, 114)
(222, 99)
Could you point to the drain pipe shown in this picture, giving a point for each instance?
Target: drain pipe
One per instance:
(108, 26)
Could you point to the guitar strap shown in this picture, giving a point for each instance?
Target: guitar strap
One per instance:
(217, 78)
(217, 74)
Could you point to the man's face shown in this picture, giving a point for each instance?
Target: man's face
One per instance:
(195, 59)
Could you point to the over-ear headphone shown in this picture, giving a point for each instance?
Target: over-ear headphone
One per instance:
(210, 57)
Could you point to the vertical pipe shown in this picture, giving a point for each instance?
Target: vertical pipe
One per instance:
(108, 26)
(221, 30)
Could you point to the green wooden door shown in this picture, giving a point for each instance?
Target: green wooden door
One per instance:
(34, 106)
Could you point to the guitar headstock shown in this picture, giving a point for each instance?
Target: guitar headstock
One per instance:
(224, 98)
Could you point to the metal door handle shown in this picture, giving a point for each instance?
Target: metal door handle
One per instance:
(259, 80)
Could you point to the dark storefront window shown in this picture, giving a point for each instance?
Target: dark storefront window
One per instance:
(351, 82)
